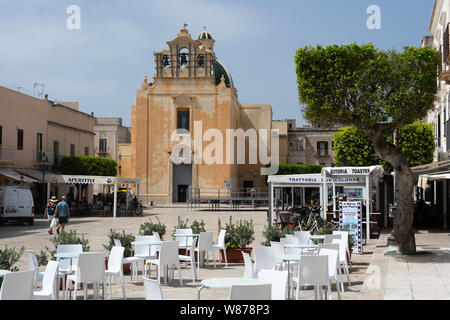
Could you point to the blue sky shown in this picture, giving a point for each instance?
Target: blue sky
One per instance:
(103, 64)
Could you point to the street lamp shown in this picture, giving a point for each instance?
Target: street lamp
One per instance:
(44, 160)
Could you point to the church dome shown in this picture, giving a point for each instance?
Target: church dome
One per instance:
(204, 35)
(219, 71)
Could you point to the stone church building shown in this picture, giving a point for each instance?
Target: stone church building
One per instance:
(192, 85)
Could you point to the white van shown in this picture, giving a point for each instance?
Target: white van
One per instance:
(16, 203)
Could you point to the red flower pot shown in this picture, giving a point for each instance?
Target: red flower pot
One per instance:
(235, 255)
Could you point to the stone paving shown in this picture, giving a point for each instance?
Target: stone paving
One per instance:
(95, 230)
(424, 276)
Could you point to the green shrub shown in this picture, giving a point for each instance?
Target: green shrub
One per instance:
(181, 224)
(238, 235)
(198, 227)
(9, 257)
(64, 237)
(274, 233)
(147, 228)
(88, 165)
(42, 258)
(125, 240)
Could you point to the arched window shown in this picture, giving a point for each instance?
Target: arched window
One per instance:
(201, 61)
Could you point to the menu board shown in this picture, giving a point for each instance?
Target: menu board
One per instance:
(350, 219)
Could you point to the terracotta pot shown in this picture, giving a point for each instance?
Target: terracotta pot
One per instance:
(235, 255)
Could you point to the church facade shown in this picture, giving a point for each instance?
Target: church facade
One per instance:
(192, 95)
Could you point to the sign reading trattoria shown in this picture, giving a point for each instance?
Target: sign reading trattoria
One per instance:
(320, 180)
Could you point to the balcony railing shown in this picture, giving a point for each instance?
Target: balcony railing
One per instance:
(102, 151)
(7, 153)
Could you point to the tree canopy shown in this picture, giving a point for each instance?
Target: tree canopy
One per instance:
(88, 165)
(353, 148)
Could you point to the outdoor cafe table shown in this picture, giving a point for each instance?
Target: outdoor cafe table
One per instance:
(288, 258)
(226, 283)
(148, 243)
(65, 255)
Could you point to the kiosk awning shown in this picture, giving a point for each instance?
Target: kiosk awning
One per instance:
(12, 174)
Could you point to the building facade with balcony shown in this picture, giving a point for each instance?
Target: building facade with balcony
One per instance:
(440, 40)
(109, 133)
(36, 133)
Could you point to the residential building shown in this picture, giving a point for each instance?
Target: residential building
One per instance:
(109, 133)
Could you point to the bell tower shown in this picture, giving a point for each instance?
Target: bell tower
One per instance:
(185, 57)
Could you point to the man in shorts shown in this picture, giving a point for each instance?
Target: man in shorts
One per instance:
(62, 213)
(50, 212)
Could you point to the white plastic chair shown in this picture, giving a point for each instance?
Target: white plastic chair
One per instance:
(168, 256)
(330, 237)
(115, 268)
(264, 259)
(90, 268)
(49, 290)
(205, 244)
(133, 261)
(156, 236)
(152, 290)
(251, 292)
(221, 245)
(184, 242)
(333, 263)
(345, 235)
(278, 280)
(17, 285)
(278, 250)
(304, 237)
(145, 251)
(34, 265)
(64, 264)
(191, 258)
(313, 271)
(249, 267)
(343, 260)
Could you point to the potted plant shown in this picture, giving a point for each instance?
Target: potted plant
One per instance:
(125, 240)
(8, 258)
(238, 238)
(147, 228)
(274, 233)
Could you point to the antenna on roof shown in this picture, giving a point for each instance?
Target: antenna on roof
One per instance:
(41, 92)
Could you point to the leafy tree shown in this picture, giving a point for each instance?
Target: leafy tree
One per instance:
(88, 165)
(377, 91)
(353, 148)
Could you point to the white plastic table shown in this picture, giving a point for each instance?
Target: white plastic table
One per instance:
(288, 258)
(148, 243)
(65, 255)
(226, 283)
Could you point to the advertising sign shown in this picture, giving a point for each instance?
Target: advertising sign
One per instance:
(350, 218)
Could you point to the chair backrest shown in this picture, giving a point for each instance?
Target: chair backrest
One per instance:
(143, 250)
(32, 260)
(168, 254)
(205, 241)
(342, 249)
(193, 245)
(91, 267)
(17, 285)
(117, 243)
(278, 279)
(251, 292)
(264, 259)
(183, 240)
(152, 290)
(278, 249)
(284, 240)
(333, 260)
(291, 239)
(330, 237)
(248, 271)
(344, 235)
(221, 238)
(50, 273)
(63, 248)
(115, 259)
(313, 270)
(156, 236)
(303, 236)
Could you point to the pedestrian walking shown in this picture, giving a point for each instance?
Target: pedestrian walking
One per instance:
(49, 213)
(62, 213)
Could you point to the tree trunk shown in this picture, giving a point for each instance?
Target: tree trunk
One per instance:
(403, 219)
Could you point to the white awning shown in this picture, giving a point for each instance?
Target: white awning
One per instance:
(12, 174)
(425, 178)
(311, 179)
(353, 171)
(55, 178)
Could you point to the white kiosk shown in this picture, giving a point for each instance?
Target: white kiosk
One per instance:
(367, 175)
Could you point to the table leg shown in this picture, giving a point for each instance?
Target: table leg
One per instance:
(198, 292)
